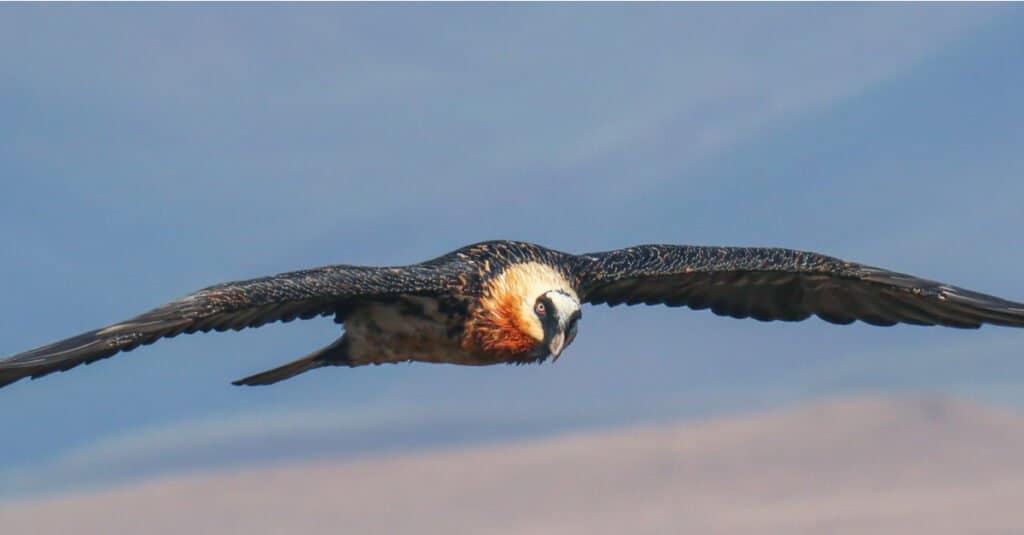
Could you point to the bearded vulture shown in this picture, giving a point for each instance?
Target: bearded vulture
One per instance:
(515, 302)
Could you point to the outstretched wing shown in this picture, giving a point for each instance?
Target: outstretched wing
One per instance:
(234, 305)
(782, 284)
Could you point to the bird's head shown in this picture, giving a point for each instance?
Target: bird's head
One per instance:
(557, 311)
(529, 311)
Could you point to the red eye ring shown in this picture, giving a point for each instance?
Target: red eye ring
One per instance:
(540, 309)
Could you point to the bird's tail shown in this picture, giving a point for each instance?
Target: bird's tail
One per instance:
(335, 354)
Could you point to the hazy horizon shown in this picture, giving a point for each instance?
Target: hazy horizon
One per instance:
(853, 465)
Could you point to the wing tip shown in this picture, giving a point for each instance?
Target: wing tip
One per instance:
(8, 380)
(13, 374)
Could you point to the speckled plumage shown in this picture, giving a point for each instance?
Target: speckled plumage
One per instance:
(449, 309)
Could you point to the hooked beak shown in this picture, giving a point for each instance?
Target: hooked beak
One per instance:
(556, 345)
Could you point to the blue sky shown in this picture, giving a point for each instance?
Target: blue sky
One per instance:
(150, 150)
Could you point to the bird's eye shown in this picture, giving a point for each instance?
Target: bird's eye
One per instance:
(540, 309)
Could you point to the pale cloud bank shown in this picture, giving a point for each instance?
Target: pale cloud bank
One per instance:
(865, 465)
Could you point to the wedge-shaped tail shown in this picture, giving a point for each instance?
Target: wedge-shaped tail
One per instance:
(335, 354)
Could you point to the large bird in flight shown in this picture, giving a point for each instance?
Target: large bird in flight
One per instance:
(514, 302)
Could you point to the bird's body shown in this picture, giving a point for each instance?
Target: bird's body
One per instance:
(483, 316)
(515, 302)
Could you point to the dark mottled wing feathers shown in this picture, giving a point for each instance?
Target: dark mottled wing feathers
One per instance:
(782, 284)
(235, 305)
